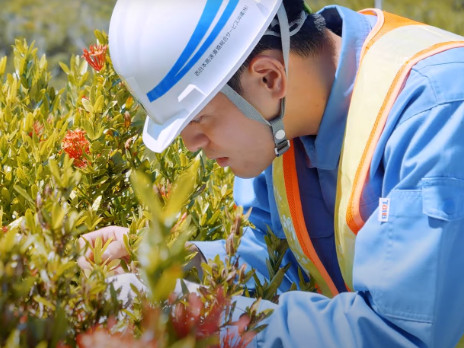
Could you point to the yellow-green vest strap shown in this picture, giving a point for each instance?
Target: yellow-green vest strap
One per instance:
(287, 196)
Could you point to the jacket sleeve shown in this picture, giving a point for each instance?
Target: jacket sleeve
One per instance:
(407, 273)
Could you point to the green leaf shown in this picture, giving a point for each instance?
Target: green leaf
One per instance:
(55, 170)
(30, 223)
(96, 203)
(187, 342)
(181, 191)
(6, 195)
(97, 251)
(87, 105)
(271, 291)
(99, 103)
(2, 65)
(44, 301)
(13, 339)
(23, 193)
(65, 68)
(58, 214)
(144, 190)
(62, 268)
(164, 286)
(8, 242)
(113, 264)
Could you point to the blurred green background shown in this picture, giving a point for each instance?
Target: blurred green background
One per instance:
(61, 28)
(446, 14)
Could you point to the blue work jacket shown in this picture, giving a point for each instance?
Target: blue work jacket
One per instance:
(408, 290)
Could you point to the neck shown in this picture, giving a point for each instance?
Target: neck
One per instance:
(310, 81)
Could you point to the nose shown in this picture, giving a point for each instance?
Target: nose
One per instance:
(193, 137)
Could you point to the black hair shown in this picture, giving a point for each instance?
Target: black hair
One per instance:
(309, 40)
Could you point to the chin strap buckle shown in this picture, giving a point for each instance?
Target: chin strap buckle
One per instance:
(282, 147)
(281, 142)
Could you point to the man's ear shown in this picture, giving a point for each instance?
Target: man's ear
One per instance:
(268, 71)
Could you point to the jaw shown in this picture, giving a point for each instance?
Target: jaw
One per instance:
(250, 169)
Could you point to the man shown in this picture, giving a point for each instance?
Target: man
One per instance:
(357, 125)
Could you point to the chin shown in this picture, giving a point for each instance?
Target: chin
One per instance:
(247, 172)
(244, 176)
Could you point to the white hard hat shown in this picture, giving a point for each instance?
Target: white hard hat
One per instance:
(176, 55)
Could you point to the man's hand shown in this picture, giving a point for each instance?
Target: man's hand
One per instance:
(115, 250)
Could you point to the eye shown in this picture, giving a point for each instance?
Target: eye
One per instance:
(197, 119)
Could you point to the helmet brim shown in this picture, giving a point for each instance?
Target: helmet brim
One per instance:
(158, 137)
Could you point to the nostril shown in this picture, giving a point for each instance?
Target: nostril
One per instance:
(193, 139)
(190, 147)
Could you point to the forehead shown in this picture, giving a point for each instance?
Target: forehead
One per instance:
(218, 102)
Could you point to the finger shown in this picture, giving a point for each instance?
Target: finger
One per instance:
(83, 263)
(105, 233)
(90, 237)
(115, 250)
(118, 270)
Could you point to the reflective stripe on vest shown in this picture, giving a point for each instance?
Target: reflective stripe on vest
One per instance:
(392, 48)
(287, 196)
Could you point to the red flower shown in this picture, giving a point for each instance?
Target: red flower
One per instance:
(75, 144)
(96, 56)
(37, 129)
(238, 338)
(185, 317)
(194, 316)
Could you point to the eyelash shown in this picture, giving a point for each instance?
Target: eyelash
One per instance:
(197, 120)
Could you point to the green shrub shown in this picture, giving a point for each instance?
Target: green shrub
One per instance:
(72, 161)
(66, 159)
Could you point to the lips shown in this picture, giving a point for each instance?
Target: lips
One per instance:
(222, 161)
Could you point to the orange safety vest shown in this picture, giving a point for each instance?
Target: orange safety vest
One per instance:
(393, 47)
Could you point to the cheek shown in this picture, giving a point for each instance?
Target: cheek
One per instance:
(257, 148)
(230, 131)
(242, 138)
(254, 136)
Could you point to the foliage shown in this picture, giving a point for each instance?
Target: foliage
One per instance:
(268, 290)
(60, 28)
(446, 14)
(72, 161)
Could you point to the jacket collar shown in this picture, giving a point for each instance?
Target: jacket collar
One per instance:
(323, 150)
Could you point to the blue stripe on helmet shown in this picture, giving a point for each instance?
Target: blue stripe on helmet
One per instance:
(183, 64)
